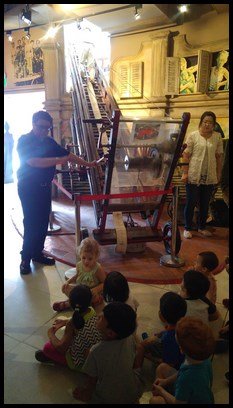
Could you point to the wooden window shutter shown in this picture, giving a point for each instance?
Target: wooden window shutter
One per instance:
(131, 80)
(124, 81)
(203, 73)
(172, 76)
(136, 79)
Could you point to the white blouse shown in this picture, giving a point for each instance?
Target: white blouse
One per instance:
(196, 148)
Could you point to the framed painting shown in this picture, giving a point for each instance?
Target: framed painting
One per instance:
(24, 62)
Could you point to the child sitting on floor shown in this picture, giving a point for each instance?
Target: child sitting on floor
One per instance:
(194, 288)
(163, 346)
(116, 288)
(89, 272)
(79, 335)
(192, 383)
(206, 263)
(113, 366)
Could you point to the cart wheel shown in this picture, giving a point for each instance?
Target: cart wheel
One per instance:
(84, 233)
(167, 238)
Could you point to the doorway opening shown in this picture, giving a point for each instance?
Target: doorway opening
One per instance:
(18, 111)
(88, 42)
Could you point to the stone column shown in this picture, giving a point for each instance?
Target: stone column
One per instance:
(52, 85)
(159, 54)
(54, 79)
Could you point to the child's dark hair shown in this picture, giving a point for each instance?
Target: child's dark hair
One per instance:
(195, 338)
(115, 287)
(209, 260)
(196, 284)
(172, 307)
(80, 299)
(121, 318)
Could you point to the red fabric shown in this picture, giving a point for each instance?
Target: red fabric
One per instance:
(50, 352)
(219, 268)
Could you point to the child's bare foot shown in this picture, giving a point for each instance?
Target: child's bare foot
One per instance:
(60, 306)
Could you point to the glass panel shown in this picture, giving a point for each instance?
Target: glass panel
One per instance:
(143, 158)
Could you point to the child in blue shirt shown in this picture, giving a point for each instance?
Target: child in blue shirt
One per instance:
(163, 346)
(193, 382)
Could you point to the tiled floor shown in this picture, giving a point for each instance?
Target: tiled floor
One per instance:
(28, 315)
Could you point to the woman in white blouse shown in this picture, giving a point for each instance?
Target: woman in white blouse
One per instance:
(203, 154)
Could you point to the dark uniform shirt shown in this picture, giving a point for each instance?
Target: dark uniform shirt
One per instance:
(30, 146)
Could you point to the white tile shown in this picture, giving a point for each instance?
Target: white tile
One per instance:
(40, 336)
(222, 285)
(9, 288)
(9, 343)
(148, 298)
(25, 311)
(29, 382)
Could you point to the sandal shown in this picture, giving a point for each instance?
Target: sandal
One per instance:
(60, 306)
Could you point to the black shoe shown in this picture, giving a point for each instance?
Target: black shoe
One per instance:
(225, 303)
(44, 260)
(25, 268)
(227, 376)
(41, 357)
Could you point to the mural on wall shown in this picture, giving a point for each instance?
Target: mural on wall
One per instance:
(27, 61)
(188, 75)
(219, 75)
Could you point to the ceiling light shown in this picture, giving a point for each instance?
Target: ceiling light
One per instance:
(79, 25)
(52, 31)
(183, 8)
(68, 7)
(137, 14)
(27, 15)
(10, 38)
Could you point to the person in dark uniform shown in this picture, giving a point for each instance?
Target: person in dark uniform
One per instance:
(39, 154)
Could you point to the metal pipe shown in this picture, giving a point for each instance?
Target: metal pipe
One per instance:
(77, 223)
(174, 220)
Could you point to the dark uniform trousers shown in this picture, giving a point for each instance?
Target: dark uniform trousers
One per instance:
(36, 204)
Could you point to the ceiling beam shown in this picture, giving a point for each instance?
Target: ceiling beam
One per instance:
(169, 10)
(221, 8)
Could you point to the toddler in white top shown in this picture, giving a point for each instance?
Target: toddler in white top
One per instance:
(88, 272)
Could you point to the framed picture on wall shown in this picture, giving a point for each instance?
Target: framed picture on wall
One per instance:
(143, 131)
(24, 62)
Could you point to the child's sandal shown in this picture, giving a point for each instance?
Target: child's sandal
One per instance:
(60, 306)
